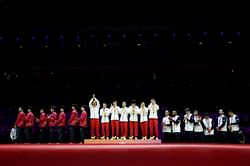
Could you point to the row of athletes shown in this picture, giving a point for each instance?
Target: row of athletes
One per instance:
(201, 129)
(119, 118)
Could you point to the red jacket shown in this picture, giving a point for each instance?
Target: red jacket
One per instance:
(83, 119)
(42, 120)
(52, 119)
(29, 119)
(61, 120)
(20, 119)
(73, 120)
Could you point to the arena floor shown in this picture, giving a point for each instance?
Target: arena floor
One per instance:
(124, 155)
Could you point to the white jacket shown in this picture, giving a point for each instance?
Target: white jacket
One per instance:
(114, 111)
(234, 123)
(94, 111)
(208, 123)
(134, 113)
(166, 124)
(189, 124)
(197, 124)
(222, 119)
(104, 113)
(153, 109)
(176, 124)
(144, 114)
(124, 114)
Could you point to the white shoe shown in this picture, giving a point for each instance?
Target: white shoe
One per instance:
(135, 138)
(156, 138)
(131, 137)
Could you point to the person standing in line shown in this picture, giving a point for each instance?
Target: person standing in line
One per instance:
(29, 123)
(42, 125)
(52, 118)
(153, 119)
(189, 125)
(73, 122)
(104, 113)
(176, 126)
(94, 106)
(167, 127)
(144, 121)
(198, 129)
(124, 121)
(234, 127)
(83, 124)
(208, 126)
(61, 123)
(222, 127)
(20, 123)
(133, 121)
(114, 111)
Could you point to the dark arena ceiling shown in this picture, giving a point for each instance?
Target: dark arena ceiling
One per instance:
(128, 49)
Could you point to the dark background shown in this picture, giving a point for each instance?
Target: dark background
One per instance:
(184, 54)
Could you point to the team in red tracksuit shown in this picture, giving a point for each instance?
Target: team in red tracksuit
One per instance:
(83, 123)
(29, 123)
(73, 121)
(20, 122)
(52, 124)
(42, 120)
(42, 125)
(61, 124)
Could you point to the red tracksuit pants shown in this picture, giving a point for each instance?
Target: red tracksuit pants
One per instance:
(133, 127)
(153, 126)
(94, 124)
(105, 129)
(115, 128)
(124, 129)
(144, 128)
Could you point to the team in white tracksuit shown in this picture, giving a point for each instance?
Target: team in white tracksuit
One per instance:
(153, 119)
(144, 120)
(234, 127)
(222, 127)
(94, 106)
(208, 126)
(133, 124)
(198, 128)
(114, 111)
(124, 111)
(176, 126)
(104, 114)
(189, 125)
(166, 127)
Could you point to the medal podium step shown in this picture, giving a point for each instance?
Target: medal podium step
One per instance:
(104, 141)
